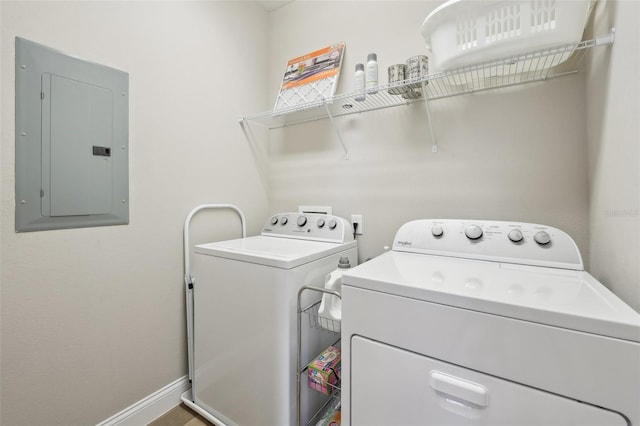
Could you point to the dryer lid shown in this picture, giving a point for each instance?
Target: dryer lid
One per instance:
(558, 297)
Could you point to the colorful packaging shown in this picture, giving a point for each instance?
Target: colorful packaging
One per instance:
(331, 418)
(324, 371)
(336, 419)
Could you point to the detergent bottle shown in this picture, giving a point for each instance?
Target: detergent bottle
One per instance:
(330, 311)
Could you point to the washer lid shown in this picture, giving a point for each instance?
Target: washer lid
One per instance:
(285, 253)
(557, 297)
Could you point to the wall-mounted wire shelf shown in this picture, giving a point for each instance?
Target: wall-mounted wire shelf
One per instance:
(511, 71)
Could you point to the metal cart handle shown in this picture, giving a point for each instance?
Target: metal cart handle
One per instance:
(188, 279)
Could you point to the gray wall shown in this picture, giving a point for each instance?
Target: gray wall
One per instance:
(514, 154)
(93, 319)
(613, 129)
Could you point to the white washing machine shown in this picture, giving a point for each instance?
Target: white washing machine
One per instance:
(485, 323)
(245, 296)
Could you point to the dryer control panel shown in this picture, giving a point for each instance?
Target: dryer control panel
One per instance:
(309, 226)
(510, 242)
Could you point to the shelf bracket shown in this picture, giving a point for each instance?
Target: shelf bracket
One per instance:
(335, 127)
(434, 143)
(606, 39)
(258, 154)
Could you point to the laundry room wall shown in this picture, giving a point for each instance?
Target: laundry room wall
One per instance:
(613, 99)
(516, 154)
(93, 319)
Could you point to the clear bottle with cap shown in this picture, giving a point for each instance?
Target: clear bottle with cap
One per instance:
(372, 73)
(360, 82)
(330, 311)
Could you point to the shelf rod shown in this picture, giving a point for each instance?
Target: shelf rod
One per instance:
(517, 83)
(335, 127)
(390, 105)
(341, 114)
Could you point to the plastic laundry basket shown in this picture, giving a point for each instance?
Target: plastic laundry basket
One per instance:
(466, 32)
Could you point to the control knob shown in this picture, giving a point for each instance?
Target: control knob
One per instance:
(302, 221)
(332, 224)
(320, 223)
(542, 238)
(437, 231)
(284, 220)
(515, 235)
(274, 220)
(473, 232)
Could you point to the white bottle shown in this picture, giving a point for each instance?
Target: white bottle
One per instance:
(330, 311)
(360, 82)
(372, 73)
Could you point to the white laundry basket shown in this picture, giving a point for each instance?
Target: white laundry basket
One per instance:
(466, 32)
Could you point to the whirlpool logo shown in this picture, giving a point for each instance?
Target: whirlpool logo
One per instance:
(404, 243)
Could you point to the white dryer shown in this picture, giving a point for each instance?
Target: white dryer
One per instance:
(245, 296)
(485, 323)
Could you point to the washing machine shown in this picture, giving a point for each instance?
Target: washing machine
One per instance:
(245, 319)
(485, 323)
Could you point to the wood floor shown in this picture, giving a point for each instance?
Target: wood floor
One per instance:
(180, 416)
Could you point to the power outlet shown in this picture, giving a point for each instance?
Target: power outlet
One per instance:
(357, 219)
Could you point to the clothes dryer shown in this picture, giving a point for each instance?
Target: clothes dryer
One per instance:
(485, 323)
(245, 296)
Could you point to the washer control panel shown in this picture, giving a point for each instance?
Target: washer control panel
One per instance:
(510, 242)
(309, 226)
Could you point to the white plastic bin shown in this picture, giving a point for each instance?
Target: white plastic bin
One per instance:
(466, 32)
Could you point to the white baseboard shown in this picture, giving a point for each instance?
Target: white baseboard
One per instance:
(151, 407)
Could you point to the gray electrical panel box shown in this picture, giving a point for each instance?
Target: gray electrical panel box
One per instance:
(72, 141)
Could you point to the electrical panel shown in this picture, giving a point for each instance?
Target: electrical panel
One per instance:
(72, 141)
